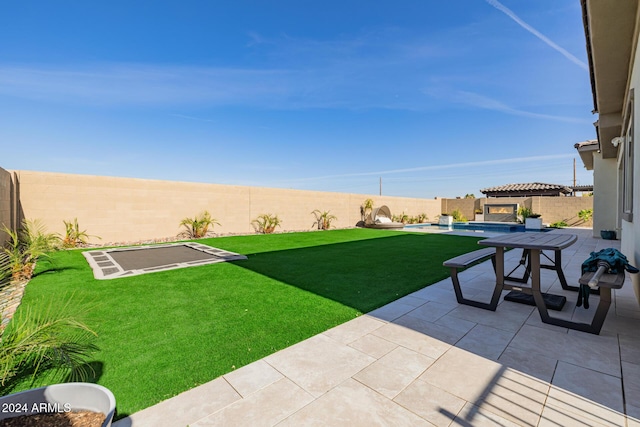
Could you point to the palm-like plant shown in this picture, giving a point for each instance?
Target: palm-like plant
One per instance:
(366, 208)
(323, 219)
(458, 216)
(266, 223)
(43, 339)
(422, 217)
(524, 212)
(198, 226)
(30, 243)
(74, 237)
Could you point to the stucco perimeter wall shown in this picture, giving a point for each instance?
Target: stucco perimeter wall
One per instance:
(127, 209)
(5, 203)
(552, 209)
(466, 207)
(565, 209)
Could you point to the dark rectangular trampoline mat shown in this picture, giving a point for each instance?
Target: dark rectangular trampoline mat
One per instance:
(123, 262)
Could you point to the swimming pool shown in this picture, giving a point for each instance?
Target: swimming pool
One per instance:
(494, 227)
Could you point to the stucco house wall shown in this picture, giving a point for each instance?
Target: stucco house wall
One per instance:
(605, 198)
(630, 230)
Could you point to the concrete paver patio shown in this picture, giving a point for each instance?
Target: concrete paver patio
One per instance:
(424, 360)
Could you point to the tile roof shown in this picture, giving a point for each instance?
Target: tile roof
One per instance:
(527, 187)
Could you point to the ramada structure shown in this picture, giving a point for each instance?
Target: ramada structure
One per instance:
(611, 30)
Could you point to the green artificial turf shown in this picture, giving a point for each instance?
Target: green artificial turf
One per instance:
(163, 333)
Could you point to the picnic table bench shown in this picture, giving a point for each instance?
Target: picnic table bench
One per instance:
(464, 261)
(603, 285)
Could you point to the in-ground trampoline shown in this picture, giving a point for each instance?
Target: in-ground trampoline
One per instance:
(124, 262)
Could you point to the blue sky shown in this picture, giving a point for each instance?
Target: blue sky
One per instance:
(437, 98)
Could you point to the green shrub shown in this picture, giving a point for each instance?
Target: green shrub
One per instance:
(266, 223)
(25, 246)
(197, 226)
(422, 217)
(323, 219)
(559, 224)
(49, 338)
(73, 236)
(585, 214)
(457, 216)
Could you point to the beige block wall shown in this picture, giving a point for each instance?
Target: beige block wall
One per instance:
(5, 203)
(127, 209)
(552, 209)
(465, 206)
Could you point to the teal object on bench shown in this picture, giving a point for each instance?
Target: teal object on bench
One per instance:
(612, 259)
(617, 261)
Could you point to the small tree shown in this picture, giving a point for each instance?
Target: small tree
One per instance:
(403, 218)
(25, 246)
(366, 208)
(266, 223)
(197, 226)
(74, 237)
(323, 219)
(422, 217)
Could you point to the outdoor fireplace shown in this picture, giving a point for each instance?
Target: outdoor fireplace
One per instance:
(504, 212)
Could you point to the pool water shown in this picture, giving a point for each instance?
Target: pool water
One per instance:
(495, 227)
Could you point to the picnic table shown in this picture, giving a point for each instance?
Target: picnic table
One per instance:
(533, 244)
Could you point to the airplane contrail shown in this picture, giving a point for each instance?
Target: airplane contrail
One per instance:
(446, 166)
(502, 8)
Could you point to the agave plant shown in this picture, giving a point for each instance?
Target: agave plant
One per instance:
(323, 219)
(198, 226)
(266, 223)
(74, 237)
(30, 243)
(46, 338)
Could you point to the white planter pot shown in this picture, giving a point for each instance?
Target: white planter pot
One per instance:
(479, 217)
(445, 220)
(533, 223)
(60, 398)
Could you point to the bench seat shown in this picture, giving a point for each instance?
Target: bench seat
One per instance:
(464, 261)
(605, 284)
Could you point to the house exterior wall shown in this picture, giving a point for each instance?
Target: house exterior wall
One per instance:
(630, 230)
(127, 209)
(605, 195)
